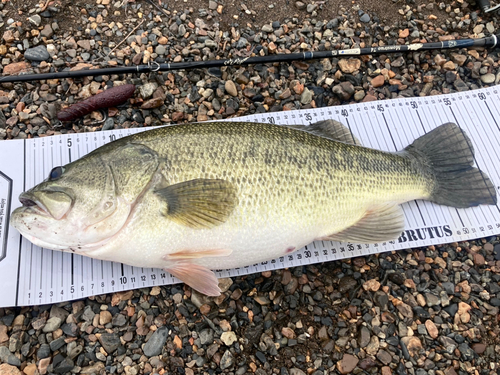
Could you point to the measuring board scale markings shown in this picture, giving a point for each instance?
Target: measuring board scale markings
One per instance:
(46, 276)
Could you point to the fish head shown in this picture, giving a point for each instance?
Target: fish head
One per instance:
(82, 205)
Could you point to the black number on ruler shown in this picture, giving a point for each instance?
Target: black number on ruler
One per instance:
(123, 280)
(112, 137)
(70, 143)
(344, 113)
(414, 105)
(380, 108)
(72, 289)
(271, 120)
(482, 96)
(308, 117)
(447, 101)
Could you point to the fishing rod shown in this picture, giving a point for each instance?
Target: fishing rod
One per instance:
(487, 42)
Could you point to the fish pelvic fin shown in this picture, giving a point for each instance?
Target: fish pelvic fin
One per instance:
(330, 129)
(197, 277)
(199, 203)
(449, 154)
(380, 223)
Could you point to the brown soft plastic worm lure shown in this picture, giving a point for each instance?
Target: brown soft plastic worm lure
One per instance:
(108, 98)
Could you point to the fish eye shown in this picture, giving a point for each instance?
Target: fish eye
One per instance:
(55, 173)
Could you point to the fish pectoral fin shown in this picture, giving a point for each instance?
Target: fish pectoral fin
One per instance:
(330, 129)
(197, 277)
(381, 223)
(197, 254)
(199, 203)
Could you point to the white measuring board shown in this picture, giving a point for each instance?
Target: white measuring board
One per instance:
(34, 276)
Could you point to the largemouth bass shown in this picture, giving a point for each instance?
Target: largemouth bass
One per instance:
(196, 197)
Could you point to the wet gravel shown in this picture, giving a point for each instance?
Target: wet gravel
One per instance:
(418, 311)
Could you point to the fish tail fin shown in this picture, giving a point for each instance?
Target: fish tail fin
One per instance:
(448, 151)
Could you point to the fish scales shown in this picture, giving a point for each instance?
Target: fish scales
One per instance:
(287, 182)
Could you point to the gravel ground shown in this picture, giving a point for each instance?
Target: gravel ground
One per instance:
(420, 311)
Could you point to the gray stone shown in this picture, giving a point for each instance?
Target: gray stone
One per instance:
(57, 344)
(58, 312)
(119, 320)
(306, 96)
(110, 342)
(4, 353)
(43, 351)
(160, 49)
(155, 343)
(467, 353)
(52, 324)
(488, 78)
(210, 43)
(300, 5)
(70, 329)
(35, 20)
(2, 120)
(242, 42)
(227, 360)
(38, 53)
(364, 337)
(147, 90)
(268, 28)
(108, 124)
(431, 299)
(311, 8)
(365, 18)
(63, 366)
(206, 336)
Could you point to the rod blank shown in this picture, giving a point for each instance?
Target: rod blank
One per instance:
(487, 42)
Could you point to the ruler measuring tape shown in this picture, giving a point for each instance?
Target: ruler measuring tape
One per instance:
(35, 276)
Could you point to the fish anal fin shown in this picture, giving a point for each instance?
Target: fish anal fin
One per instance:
(197, 254)
(197, 277)
(330, 129)
(199, 203)
(379, 224)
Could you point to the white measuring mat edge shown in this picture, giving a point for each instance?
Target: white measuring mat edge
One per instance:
(34, 276)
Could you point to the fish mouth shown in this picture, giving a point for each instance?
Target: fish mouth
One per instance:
(53, 204)
(30, 203)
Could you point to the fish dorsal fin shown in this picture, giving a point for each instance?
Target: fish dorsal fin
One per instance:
(330, 129)
(199, 203)
(379, 224)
